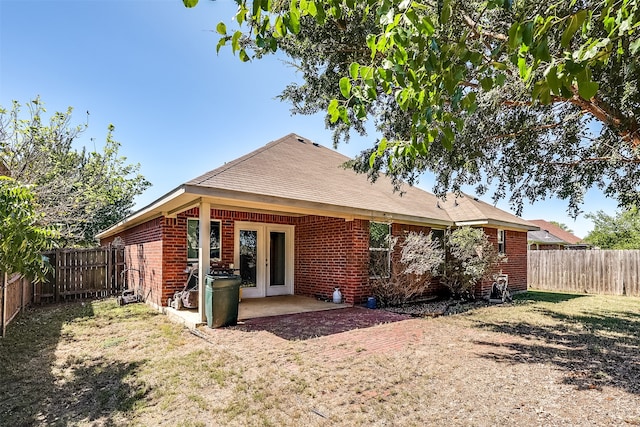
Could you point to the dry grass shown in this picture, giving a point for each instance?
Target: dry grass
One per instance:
(549, 359)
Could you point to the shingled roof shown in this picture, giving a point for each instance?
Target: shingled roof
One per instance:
(294, 175)
(558, 232)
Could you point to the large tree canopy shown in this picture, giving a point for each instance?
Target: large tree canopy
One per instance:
(79, 192)
(536, 98)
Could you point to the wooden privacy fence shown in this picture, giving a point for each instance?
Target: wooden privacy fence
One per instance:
(83, 273)
(16, 294)
(614, 272)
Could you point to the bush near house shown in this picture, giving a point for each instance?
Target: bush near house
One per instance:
(464, 258)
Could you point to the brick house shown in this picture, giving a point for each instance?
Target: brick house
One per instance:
(293, 221)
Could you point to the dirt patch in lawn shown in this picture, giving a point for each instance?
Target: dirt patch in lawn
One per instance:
(302, 326)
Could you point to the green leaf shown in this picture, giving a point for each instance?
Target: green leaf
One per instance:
(541, 52)
(524, 69)
(587, 89)
(634, 46)
(486, 83)
(445, 13)
(190, 3)
(221, 28)
(243, 56)
(382, 145)
(354, 68)
(515, 36)
(293, 24)
(235, 46)
(221, 42)
(334, 114)
(345, 87)
(527, 33)
(551, 74)
(372, 159)
(574, 24)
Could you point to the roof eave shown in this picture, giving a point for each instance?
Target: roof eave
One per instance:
(296, 206)
(496, 223)
(152, 210)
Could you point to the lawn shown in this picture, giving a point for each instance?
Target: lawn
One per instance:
(548, 359)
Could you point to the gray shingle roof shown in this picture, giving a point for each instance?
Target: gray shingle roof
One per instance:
(295, 168)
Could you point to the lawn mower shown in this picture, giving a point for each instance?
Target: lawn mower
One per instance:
(188, 296)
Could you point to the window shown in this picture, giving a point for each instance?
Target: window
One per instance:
(379, 251)
(193, 236)
(438, 236)
(502, 241)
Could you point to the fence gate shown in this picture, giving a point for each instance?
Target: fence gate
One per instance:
(83, 273)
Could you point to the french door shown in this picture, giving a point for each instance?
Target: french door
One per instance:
(264, 255)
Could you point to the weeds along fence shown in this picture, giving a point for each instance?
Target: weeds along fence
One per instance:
(82, 273)
(612, 272)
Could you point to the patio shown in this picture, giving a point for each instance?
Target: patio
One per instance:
(251, 308)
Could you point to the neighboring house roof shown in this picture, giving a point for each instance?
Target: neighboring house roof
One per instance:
(558, 232)
(295, 176)
(545, 238)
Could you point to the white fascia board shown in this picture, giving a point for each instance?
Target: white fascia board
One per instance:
(497, 224)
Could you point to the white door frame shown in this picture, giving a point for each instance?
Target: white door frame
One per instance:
(263, 231)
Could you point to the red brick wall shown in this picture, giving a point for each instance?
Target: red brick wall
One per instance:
(322, 260)
(143, 257)
(329, 253)
(516, 265)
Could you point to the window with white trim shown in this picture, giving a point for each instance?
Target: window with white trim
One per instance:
(502, 241)
(193, 237)
(379, 249)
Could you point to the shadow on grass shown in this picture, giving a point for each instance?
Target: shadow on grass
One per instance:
(303, 326)
(552, 297)
(593, 349)
(37, 388)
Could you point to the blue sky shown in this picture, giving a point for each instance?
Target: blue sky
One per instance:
(150, 68)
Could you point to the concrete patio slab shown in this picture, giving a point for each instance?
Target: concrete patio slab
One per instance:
(250, 308)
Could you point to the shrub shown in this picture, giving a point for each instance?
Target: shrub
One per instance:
(409, 275)
(470, 258)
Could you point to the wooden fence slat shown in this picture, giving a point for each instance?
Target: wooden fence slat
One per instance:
(612, 272)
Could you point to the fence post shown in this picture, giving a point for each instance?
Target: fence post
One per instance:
(56, 292)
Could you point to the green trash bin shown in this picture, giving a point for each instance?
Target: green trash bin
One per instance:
(221, 300)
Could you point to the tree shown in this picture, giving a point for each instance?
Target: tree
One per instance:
(621, 231)
(22, 236)
(562, 226)
(79, 192)
(538, 98)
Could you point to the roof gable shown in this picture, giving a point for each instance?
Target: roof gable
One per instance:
(295, 168)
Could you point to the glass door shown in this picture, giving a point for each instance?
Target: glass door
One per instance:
(264, 256)
(277, 276)
(248, 260)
